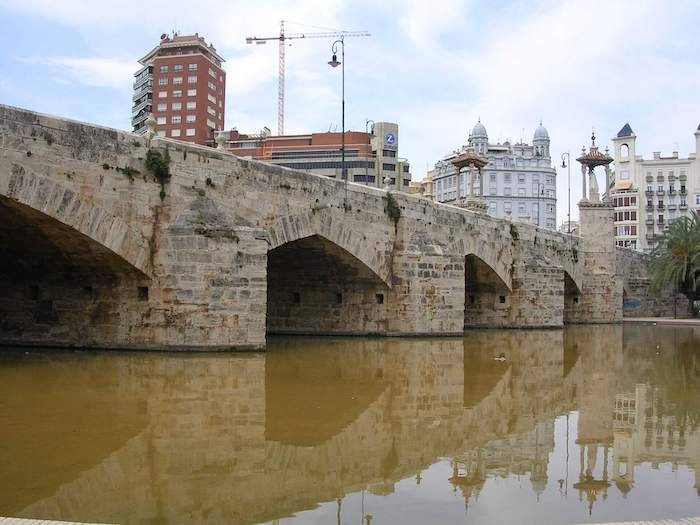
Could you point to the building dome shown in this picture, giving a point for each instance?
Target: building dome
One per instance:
(541, 133)
(479, 131)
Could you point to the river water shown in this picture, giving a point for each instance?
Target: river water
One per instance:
(581, 425)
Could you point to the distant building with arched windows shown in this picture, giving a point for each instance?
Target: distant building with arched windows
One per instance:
(650, 194)
(519, 178)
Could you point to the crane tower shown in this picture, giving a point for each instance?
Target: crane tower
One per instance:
(282, 38)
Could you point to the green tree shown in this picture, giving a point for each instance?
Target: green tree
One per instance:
(676, 259)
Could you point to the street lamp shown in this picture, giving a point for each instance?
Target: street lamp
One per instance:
(335, 63)
(567, 164)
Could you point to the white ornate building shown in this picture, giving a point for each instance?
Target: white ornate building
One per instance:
(649, 194)
(519, 179)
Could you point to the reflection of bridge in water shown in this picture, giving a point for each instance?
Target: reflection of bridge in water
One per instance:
(250, 438)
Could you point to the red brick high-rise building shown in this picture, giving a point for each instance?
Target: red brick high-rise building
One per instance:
(183, 85)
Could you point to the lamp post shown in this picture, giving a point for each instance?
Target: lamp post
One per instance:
(367, 121)
(335, 63)
(567, 164)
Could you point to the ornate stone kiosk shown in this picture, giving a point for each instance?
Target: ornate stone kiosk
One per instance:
(601, 295)
(472, 164)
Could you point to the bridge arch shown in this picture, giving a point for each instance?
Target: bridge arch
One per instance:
(31, 195)
(315, 286)
(371, 244)
(486, 294)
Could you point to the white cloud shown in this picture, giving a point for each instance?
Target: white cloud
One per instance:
(96, 72)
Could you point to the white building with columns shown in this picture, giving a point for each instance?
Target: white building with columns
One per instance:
(519, 179)
(649, 194)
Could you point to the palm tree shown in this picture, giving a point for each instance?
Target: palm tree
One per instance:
(676, 259)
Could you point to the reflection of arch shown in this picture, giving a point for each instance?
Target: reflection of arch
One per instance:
(61, 213)
(572, 292)
(316, 286)
(334, 227)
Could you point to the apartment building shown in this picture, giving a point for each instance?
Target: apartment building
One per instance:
(371, 158)
(183, 84)
(519, 178)
(649, 194)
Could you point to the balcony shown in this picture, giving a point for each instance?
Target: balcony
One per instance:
(146, 88)
(649, 222)
(671, 206)
(649, 192)
(142, 105)
(660, 192)
(683, 206)
(683, 191)
(139, 118)
(671, 191)
(660, 206)
(140, 81)
(649, 206)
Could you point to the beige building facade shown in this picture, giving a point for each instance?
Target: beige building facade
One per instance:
(649, 194)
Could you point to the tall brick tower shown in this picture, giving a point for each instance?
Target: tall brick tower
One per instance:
(183, 85)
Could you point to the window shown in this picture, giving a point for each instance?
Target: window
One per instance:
(177, 106)
(535, 178)
(507, 206)
(192, 105)
(211, 98)
(177, 80)
(492, 190)
(521, 192)
(176, 119)
(161, 133)
(521, 178)
(175, 133)
(162, 107)
(192, 67)
(212, 73)
(190, 132)
(697, 199)
(160, 120)
(211, 124)
(507, 177)
(163, 69)
(661, 187)
(212, 86)
(162, 81)
(192, 79)
(191, 118)
(177, 68)
(162, 94)
(492, 177)
(177, 94)
(388, 167)
(521, 210)
(507, 192)
(211, 110)
(191, 92)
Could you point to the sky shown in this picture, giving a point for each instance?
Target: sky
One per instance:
(432, 67)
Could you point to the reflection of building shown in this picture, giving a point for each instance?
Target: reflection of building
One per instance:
(645, 431)
(370, 158)
(519, 178)
(183, 85)
(650, 194)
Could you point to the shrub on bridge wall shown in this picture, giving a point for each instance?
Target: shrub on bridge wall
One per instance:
(159, 165)
(392, 209)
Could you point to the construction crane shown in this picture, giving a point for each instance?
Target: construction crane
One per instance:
(282, 38)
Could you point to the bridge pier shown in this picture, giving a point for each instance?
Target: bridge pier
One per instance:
(601, 293)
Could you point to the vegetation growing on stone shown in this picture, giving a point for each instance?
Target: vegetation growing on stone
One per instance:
(392, 208)
(159, 165)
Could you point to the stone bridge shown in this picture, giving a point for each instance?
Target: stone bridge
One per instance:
(97, 252)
